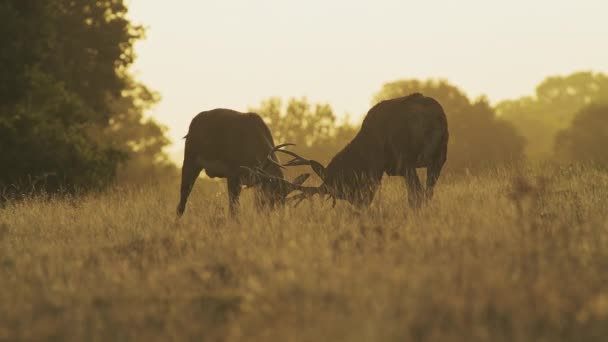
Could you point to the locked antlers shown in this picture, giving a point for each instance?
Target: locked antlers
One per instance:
(296, 185)
(298, 160)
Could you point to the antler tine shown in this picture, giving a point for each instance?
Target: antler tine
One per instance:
(304, 195)
(274, 162)
(276, 149)
(296, 159)
(299, 198)
(261, 173)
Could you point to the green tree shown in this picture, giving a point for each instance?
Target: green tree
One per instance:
(586, 139)
(552, 108)
(68, 106)
(478, 139)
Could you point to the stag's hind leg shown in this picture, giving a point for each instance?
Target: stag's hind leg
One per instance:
(190, 172)
(414, 188)
(432, 175)
(433, 171)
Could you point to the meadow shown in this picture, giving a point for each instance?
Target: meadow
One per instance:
(515, 254)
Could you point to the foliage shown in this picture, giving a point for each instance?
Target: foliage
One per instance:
(313, 128)
(45, 134)
(144, 139)
(68, 106)
(587, 137)
(552, 108)
(478, 139)
(494, 257)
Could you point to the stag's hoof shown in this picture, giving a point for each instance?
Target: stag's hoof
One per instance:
(180, 210)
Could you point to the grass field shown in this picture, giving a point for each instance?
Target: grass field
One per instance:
(507, 256)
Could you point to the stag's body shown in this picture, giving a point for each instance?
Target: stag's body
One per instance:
(396, 137)
(224, 143)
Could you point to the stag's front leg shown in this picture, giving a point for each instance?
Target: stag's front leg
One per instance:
(414, 188)
(234, 191)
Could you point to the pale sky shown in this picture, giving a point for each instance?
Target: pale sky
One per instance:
(202, 55)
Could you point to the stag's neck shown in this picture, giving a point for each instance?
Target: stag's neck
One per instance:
(361, 156)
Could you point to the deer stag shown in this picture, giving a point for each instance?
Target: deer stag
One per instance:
(396, 137)
(237, 146)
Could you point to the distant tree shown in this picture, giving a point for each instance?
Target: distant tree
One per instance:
(313, 128)
(556, 101)
(144, 140)
(478, 139)
(68, 106)
(299, 121)
(587, 138)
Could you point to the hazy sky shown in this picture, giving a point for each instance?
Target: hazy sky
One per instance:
(234, 53)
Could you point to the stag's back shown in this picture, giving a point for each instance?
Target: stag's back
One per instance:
(229, 136)
(410, 130)
(415, 113)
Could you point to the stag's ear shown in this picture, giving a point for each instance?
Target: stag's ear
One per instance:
(301, 179)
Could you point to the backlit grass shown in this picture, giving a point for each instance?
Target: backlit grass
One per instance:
(512, 255)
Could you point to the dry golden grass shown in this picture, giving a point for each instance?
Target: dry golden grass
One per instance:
(497, 257)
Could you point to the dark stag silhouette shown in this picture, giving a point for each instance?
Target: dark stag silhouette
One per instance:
(396, 137)
(239, 147)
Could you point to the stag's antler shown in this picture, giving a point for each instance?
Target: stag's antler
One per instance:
(298, 160)
(287, 184)
(305, 195)
(306, 191)
(275, 149)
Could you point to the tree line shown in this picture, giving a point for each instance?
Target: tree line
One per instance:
(566, 121)
(72, 115)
